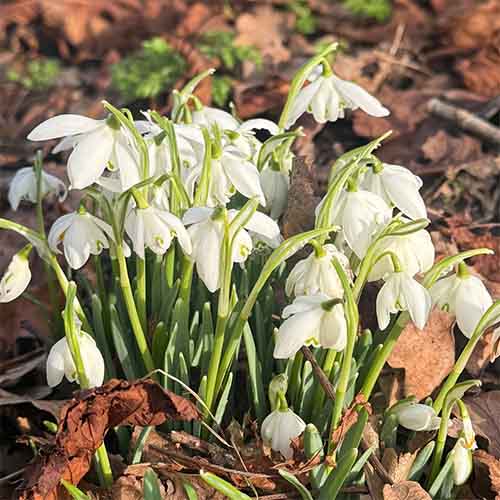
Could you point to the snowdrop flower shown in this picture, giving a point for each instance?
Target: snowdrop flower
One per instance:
(463, 295)
(207, 233)
(317, 320)
(275, 184)
(81, 234)
(418, 417)
(360, 214)
(401, 292)
(154, 229)
(462, 453)
(97, 144)
(279, 428)
(316, 274)
(23, 186)
(328, 96)
(415, 251)
(17, 276)
(397, 186)
(207, 117)
(232, 172)
(60, 361)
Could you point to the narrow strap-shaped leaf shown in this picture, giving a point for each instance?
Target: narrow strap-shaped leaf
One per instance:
(304, 493)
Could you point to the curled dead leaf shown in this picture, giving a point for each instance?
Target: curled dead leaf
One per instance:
(486, 481)
(406, 490)
(436, 347)
(84, 423)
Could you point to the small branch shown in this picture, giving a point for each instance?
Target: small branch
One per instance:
(465, 120)
(319, 373)
(377, 465)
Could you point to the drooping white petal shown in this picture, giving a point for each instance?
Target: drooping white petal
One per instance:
(208, 116)
(259, 124)
(93, 361)
(88, 160)
(302, 101)
(55, 365)
(63, 125)
(263, 225)
(275, 187)
(333, 331)
(418, 417)
(304, 303)
(417, 298)
(178, 228)
(15, 279)
(385, 304)
(196, 214)
(58, 229)
(359, 97)
(462, 463)
(472, 301)
(295, 331)
(242, 246)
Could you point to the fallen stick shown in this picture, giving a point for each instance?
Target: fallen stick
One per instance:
(465, 120)
(319, 373)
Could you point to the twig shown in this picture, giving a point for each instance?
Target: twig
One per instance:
(319, 373)
(377, 464)
(465, 120)
(490, 109)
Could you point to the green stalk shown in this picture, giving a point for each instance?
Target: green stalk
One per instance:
(102, 459)
(440, 443)
(299, 81)
(140, 296)
(352, 318)
(383, 355)
(490, 316)
(53, 298)
(135, 320)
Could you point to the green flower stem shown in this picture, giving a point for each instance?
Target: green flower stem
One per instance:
(279, 255)
(140, 296)
(299, 81)
(486, 320)
(170, 266)
(186, 281)
(102, 459)
(440, 443)
(383, 355)
(135, 320)
(53, 298)
(352, 317)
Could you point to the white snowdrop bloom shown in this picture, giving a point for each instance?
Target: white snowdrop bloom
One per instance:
(398, 186)
(232, 172)
(23, 186)
(155, 229)
(17, 276)
(465, 296)
(327, 97)
(401, 292)
(279, 428)
(81, 234)
(98, 144)
(275, 184)
(207, 116)
(315, 274)
(60, 362)
(316, 319)
(415, 251)
(418, 417)
(462, 462)
(360, 214)
(206, 230)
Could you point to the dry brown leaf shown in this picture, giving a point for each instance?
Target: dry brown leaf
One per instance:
(349, 418)
(85, 421)
(406, 490)
(302, 201)
(436, 347)
(275, 25)
(397, 465)
(484, 410)
(486, 482)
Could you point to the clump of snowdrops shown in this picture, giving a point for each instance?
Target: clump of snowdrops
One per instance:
(179, 220)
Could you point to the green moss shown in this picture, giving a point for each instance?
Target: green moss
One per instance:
(380, 10)
(305, 21)
(220, 45)
(39, 74)
(148, 72)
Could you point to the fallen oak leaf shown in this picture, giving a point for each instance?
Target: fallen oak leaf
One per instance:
(405, 490)
(83, 425)
(486, 481)
(436, 345)
(484, 411)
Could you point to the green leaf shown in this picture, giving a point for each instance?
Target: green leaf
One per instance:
(141, 442)
(151, 486)
(304, 493)
(189, 490)
(331, 487)
(223, 486)
(75, 492)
